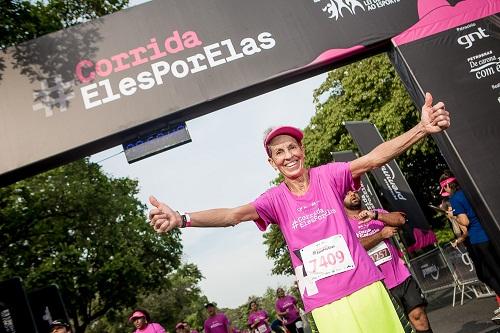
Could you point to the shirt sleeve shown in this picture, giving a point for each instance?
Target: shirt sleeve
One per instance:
(264, 207)
(340, 176)
(206, 327)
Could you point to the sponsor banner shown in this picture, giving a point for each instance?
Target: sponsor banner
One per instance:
(101, 83)
(369, 198)
(15, 312)
(47, 305)
(389, 177)
(461, 67)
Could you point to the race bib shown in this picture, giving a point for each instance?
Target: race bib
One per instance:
(327, 257)
(262, 328)
(380, 253)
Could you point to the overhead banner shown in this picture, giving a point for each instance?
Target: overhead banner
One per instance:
(389, 177)
(369, 198)
(102, 83)
(461, 67)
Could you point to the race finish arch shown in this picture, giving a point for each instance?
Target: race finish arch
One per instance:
(81, 90)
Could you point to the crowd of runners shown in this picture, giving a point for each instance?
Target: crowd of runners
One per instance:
(288, 320)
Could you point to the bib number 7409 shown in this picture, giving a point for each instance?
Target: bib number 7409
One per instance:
(327, 257)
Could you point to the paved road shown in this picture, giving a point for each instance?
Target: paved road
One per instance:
(474, 316)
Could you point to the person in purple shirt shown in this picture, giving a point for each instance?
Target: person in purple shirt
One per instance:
(217, 322)
(374, 229)
(333, 270)
(258, 319)
(286, 308)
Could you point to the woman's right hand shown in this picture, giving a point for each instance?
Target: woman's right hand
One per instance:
(162, 218)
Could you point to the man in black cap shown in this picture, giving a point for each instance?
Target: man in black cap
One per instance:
(59, 326)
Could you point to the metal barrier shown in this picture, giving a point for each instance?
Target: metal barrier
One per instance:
(432, 272)
(463, 270)
(448, 267)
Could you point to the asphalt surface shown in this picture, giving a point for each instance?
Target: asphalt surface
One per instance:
(474, 316)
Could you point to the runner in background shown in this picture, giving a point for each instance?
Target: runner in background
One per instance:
(338, 281)
(258, 319)
(286, 308)
(374, 230)
(142, 322)
(217, 322)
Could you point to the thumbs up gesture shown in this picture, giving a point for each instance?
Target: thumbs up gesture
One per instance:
(162, 218)
(434, 117)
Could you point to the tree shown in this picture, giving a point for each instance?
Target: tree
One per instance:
(367, 90)
(24, 20)
(180, 300)
(86, 232)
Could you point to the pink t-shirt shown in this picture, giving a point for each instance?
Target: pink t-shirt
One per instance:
(394, 270)
(262, 326)
(288, 303)
(217, 324)
(328, 259)
(151, 328)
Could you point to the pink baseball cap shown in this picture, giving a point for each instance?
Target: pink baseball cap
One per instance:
(179, 325)
(136, 314)
(282, 130)
(443, 183)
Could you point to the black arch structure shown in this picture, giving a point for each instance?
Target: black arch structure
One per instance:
(78, 91)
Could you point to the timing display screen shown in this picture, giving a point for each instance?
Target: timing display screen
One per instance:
(156, 142)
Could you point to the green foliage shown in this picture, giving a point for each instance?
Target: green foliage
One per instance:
(180, 300)
(24, 20)
(86, 232)
(366, 90)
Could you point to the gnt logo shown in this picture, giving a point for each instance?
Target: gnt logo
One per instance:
(336, 8)
(469, 39)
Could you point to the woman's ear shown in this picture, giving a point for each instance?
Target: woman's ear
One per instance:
(270, 160)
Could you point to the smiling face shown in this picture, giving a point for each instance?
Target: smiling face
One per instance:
(287, 156)
(280, 292)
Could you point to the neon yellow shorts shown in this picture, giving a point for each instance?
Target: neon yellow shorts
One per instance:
(368, 310)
